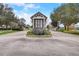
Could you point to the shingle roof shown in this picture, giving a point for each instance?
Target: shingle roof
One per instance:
(38, 14)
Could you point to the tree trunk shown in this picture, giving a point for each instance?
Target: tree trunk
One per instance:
(6, 27)
(67, 28)
(11, 27)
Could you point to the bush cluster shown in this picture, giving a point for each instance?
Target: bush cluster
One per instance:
(61, 29)
(46, 32)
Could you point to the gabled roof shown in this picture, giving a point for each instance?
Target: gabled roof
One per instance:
(38, 14)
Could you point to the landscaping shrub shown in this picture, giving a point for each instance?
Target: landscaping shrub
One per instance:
(5, 29)
(30, 33)
(46, 32)
(17, 29)
(61, 29)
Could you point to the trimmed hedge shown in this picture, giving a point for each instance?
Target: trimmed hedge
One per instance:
(72, 32)
(46, 32)
(30, 33)
(61, 29)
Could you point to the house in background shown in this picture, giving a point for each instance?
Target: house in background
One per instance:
(38, 22)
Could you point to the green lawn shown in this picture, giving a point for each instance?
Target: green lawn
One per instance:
(6, 31)
(76, 32)
(72, 32)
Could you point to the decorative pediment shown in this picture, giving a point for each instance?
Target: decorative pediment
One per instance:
(38, 14)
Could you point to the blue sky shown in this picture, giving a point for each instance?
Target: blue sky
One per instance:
(45, 8)
(26, 10)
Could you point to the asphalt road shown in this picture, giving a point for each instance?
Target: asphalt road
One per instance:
(60, 44)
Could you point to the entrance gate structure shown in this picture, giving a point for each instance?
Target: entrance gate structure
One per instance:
(39, 23)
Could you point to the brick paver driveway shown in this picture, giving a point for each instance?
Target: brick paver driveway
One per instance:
(17, 44)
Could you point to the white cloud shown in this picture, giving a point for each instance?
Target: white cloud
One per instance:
(19, 4)
(26, 5)
(27, 16)
(24, 15)
(31, 6)
(48, 20)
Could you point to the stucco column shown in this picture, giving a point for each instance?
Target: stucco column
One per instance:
(33, 23)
